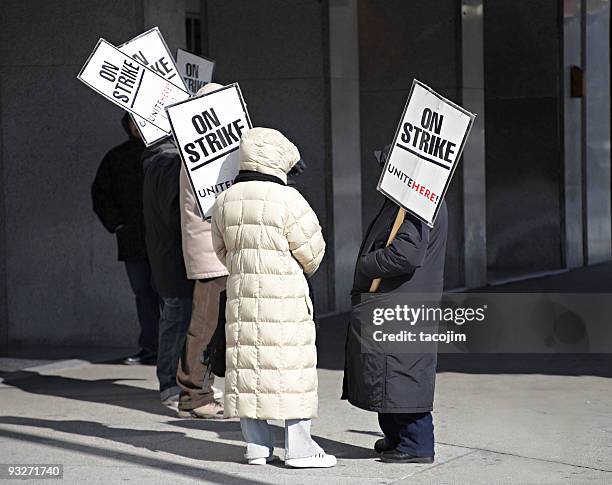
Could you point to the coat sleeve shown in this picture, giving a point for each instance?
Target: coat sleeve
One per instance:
(191, 223)
(402, 256)
(304, 234)
(105, 204)
(168, 196)
(217, 232)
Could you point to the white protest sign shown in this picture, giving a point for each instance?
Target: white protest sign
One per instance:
(150, 49)
(196, 71)
(425, 152)
(207, 130)
(130, 85)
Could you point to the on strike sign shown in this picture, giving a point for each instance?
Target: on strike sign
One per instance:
(150, 49)
(196, 71)
(130, 85)
(425, 151)
(207, 130)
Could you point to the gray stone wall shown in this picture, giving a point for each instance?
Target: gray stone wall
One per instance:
(400, 41)
(277, 54)
(63, 283)
(522, 46)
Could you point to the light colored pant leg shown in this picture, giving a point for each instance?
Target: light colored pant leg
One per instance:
(298, 442)
(258, 437)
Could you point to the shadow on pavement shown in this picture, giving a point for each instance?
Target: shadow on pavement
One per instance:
(230, 430)
(178, 443)
(105, 391)
(173, 442)
(195, 472)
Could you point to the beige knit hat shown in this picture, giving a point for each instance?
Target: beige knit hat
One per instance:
(209, 88)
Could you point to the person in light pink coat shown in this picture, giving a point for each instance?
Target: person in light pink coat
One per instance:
(210, 275)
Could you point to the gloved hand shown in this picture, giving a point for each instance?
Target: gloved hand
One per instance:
(382, 155)
(298, 168)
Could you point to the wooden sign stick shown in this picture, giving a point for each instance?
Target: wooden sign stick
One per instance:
(399, 219)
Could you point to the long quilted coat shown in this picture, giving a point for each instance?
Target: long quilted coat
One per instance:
(269, 238)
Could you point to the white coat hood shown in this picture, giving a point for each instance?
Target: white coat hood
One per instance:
(268, 151)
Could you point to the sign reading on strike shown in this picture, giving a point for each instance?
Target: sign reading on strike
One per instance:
(425, 152)
(196, 71)
(150, 49)
(207, 130)
(130, 85)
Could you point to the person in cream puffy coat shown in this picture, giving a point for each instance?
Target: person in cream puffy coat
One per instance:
(269, 239)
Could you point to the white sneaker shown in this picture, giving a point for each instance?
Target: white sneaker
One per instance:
(260, 461)
(320, 460)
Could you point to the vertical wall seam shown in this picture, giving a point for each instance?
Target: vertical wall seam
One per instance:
(329, 196)
(4, 321)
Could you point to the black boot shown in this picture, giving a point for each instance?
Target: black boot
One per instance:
(383, 445)
(395, 456)
(144, 357)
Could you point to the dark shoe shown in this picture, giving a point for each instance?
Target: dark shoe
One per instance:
(144, 357)
(395, 456)
(383, 445)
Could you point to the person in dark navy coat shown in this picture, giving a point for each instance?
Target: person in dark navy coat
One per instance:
(399, 387)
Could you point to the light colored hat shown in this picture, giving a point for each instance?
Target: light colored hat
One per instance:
(209, 88)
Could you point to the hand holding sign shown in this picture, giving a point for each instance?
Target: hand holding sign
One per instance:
(425, 152)
(207, 130)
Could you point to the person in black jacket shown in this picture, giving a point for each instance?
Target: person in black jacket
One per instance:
(117, 201)
(162, 166)
(399, 387)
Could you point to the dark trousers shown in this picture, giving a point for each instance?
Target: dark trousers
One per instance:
(173, 326)
(147, 302)
(410, 433)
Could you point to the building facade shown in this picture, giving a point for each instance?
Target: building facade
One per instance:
(531, 195)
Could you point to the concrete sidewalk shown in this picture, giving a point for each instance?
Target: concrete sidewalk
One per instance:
(104, 423)
(500, 419)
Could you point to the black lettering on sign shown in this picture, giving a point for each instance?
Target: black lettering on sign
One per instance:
(438, 147)
(189, 148)
(126, 81)
(192, 70)
(450, 150)
(214, 190)
(215, 139)
(424, 145)
(207, 120)
(163, 68)
(193, 85)
(432, 121)
(238, 126)
(109, 71)
(213, 142)
(406, 134)
(140, 57)
(426, 138)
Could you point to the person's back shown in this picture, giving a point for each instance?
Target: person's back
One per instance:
(162, 166)
(268, 237)
(117, 201)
